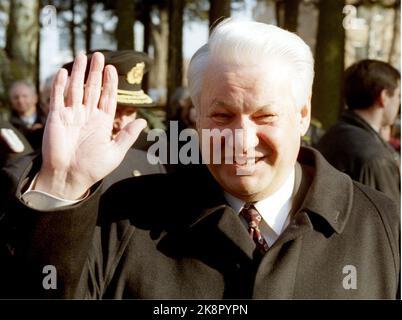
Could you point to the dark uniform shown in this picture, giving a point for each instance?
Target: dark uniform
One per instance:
(134, 164)
(13, 143)
(34, 136)
(192, 245)
(354, 147)
(13, 147)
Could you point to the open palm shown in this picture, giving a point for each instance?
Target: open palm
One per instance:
(77, 147)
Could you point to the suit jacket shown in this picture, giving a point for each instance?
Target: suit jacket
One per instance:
(354, 147)
(34, 136)
(342, 242)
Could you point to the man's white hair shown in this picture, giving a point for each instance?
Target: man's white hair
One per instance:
(25, 83)
(249, 43)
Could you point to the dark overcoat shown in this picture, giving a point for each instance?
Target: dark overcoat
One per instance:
(354, 147)
(342, 242)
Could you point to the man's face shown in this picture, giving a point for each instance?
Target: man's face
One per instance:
(23, 99)
(257, 100)
(392, 104)
(123, 116)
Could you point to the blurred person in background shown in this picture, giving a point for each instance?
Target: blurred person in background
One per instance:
(354, 145)
(25, 114)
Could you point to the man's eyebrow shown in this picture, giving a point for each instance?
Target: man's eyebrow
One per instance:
(218, 103)
(265, 106)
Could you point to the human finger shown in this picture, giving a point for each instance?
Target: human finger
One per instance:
(108, 99)
(57, 92)
(93, 85)
(76, 85)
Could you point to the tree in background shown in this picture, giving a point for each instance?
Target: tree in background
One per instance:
(287, 14)
(175, 51)
(329, 63)
(23, 39)
(72, 25)
(89, 25)
(158, 43)
(291, 15)
(125, 11)
(394, 53)
(219, 9)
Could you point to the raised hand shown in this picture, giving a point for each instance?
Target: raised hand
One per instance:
(77, 146)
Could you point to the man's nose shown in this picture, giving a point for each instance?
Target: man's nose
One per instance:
(116, 123)
(246, 136)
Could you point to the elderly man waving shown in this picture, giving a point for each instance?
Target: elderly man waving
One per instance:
(269, 220)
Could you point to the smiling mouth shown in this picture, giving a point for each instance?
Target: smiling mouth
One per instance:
(245, 162)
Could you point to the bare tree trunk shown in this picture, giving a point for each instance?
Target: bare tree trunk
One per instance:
(160, 35)
(125, 25)
(279, 13)
(291, 15)
(147, 38)
(175, 51)
(219, 9)
(37, 57)
(72, 28)
(147, 26)
(88, 22)
(329, 63)
(394, 52)
(23, 39)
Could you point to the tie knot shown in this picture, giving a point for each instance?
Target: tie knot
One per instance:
(253, 219)
(251, 215)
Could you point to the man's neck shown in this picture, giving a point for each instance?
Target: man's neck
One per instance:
(284, 192)
(372, 116)
(28, 113)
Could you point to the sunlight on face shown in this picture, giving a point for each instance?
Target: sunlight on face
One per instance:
(23, 99)
(258, 101)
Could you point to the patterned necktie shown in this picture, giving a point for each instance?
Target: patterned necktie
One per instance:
(253, 218)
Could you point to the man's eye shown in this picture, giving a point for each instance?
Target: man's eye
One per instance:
(266, 117)
(221, 116)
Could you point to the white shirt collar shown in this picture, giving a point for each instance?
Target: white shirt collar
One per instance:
(29, 120)
(273, 209)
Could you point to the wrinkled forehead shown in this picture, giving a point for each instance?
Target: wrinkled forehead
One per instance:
(272, 70)
(270, 79)
(22, 89)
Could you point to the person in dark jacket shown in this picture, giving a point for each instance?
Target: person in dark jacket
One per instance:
(26, 116)
(13, 143)
(269, 220)
(354, 144)
(13, 146)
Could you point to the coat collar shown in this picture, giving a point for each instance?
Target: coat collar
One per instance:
(323, 192)
(351, 117)
(354, 119)
(330, 193)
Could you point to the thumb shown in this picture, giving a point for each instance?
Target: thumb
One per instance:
(129, 134)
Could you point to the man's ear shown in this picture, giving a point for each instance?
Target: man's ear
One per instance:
(382, 98)
(304, 117)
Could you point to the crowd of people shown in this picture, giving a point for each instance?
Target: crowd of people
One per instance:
(80, 193)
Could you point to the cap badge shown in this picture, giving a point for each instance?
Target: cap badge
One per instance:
(134, 76)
